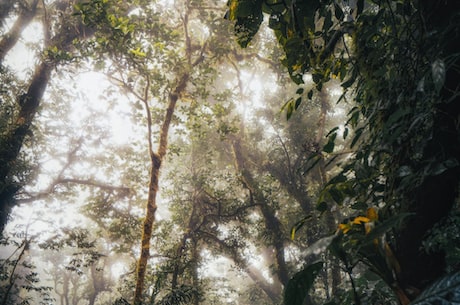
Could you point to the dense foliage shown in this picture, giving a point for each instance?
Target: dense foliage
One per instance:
(144, 158)
(399, 61)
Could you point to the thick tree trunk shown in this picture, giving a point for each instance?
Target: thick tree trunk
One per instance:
(273, 290)
(13, 140)
(28, 104)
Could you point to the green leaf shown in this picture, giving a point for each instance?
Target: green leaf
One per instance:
(337, 195)
(345, 133)
(438, 71)
(446, 291)
(358, 134)
(322, 206)
(246, 28)
(313, 160)
(298, 101)
(360, 6)
(333, 130)
(298, 286)
(289, 111)
(241, 8)
(137, 52)
(338, 11)
(299, 225)
(317, 77)
(329, 147)
(273, 8)
(349, 82)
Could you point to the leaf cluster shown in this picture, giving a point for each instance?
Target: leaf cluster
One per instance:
(399, 127)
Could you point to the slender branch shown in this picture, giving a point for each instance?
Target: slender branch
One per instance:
(25, 246)
(288, 158)
(268, 289)
(251, 56)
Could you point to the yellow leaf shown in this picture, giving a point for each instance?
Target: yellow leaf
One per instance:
(360, 219)
(372, 214)
(344, 227)
(296, 67)
(137, 52)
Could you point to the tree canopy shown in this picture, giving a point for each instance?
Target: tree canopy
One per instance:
(398, 62)
(254, 152)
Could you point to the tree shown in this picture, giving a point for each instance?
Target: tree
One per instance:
(59, 35)
(404, 88)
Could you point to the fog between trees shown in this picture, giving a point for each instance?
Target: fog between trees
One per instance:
(146, 158)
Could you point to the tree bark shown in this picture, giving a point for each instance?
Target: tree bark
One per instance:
(11, 38)
(14, 139)
(272, 223)
(273, 291)
(156, 159)
(28, 103)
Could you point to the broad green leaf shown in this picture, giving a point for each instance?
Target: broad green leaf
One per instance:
(329, 147)
(241, 8)
(445, 291)
(273, 7)
(298, 101)
(246, 28)
(289, 107)
(338, 11)
(299, 285)
(438, 71)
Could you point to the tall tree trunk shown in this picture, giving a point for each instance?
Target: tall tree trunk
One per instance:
(28, 103)
(11, 38)
(156, 159)
(13, 140)
(272, 223)
(330, 225)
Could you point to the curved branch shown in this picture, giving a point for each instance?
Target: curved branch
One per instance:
(271, 291)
